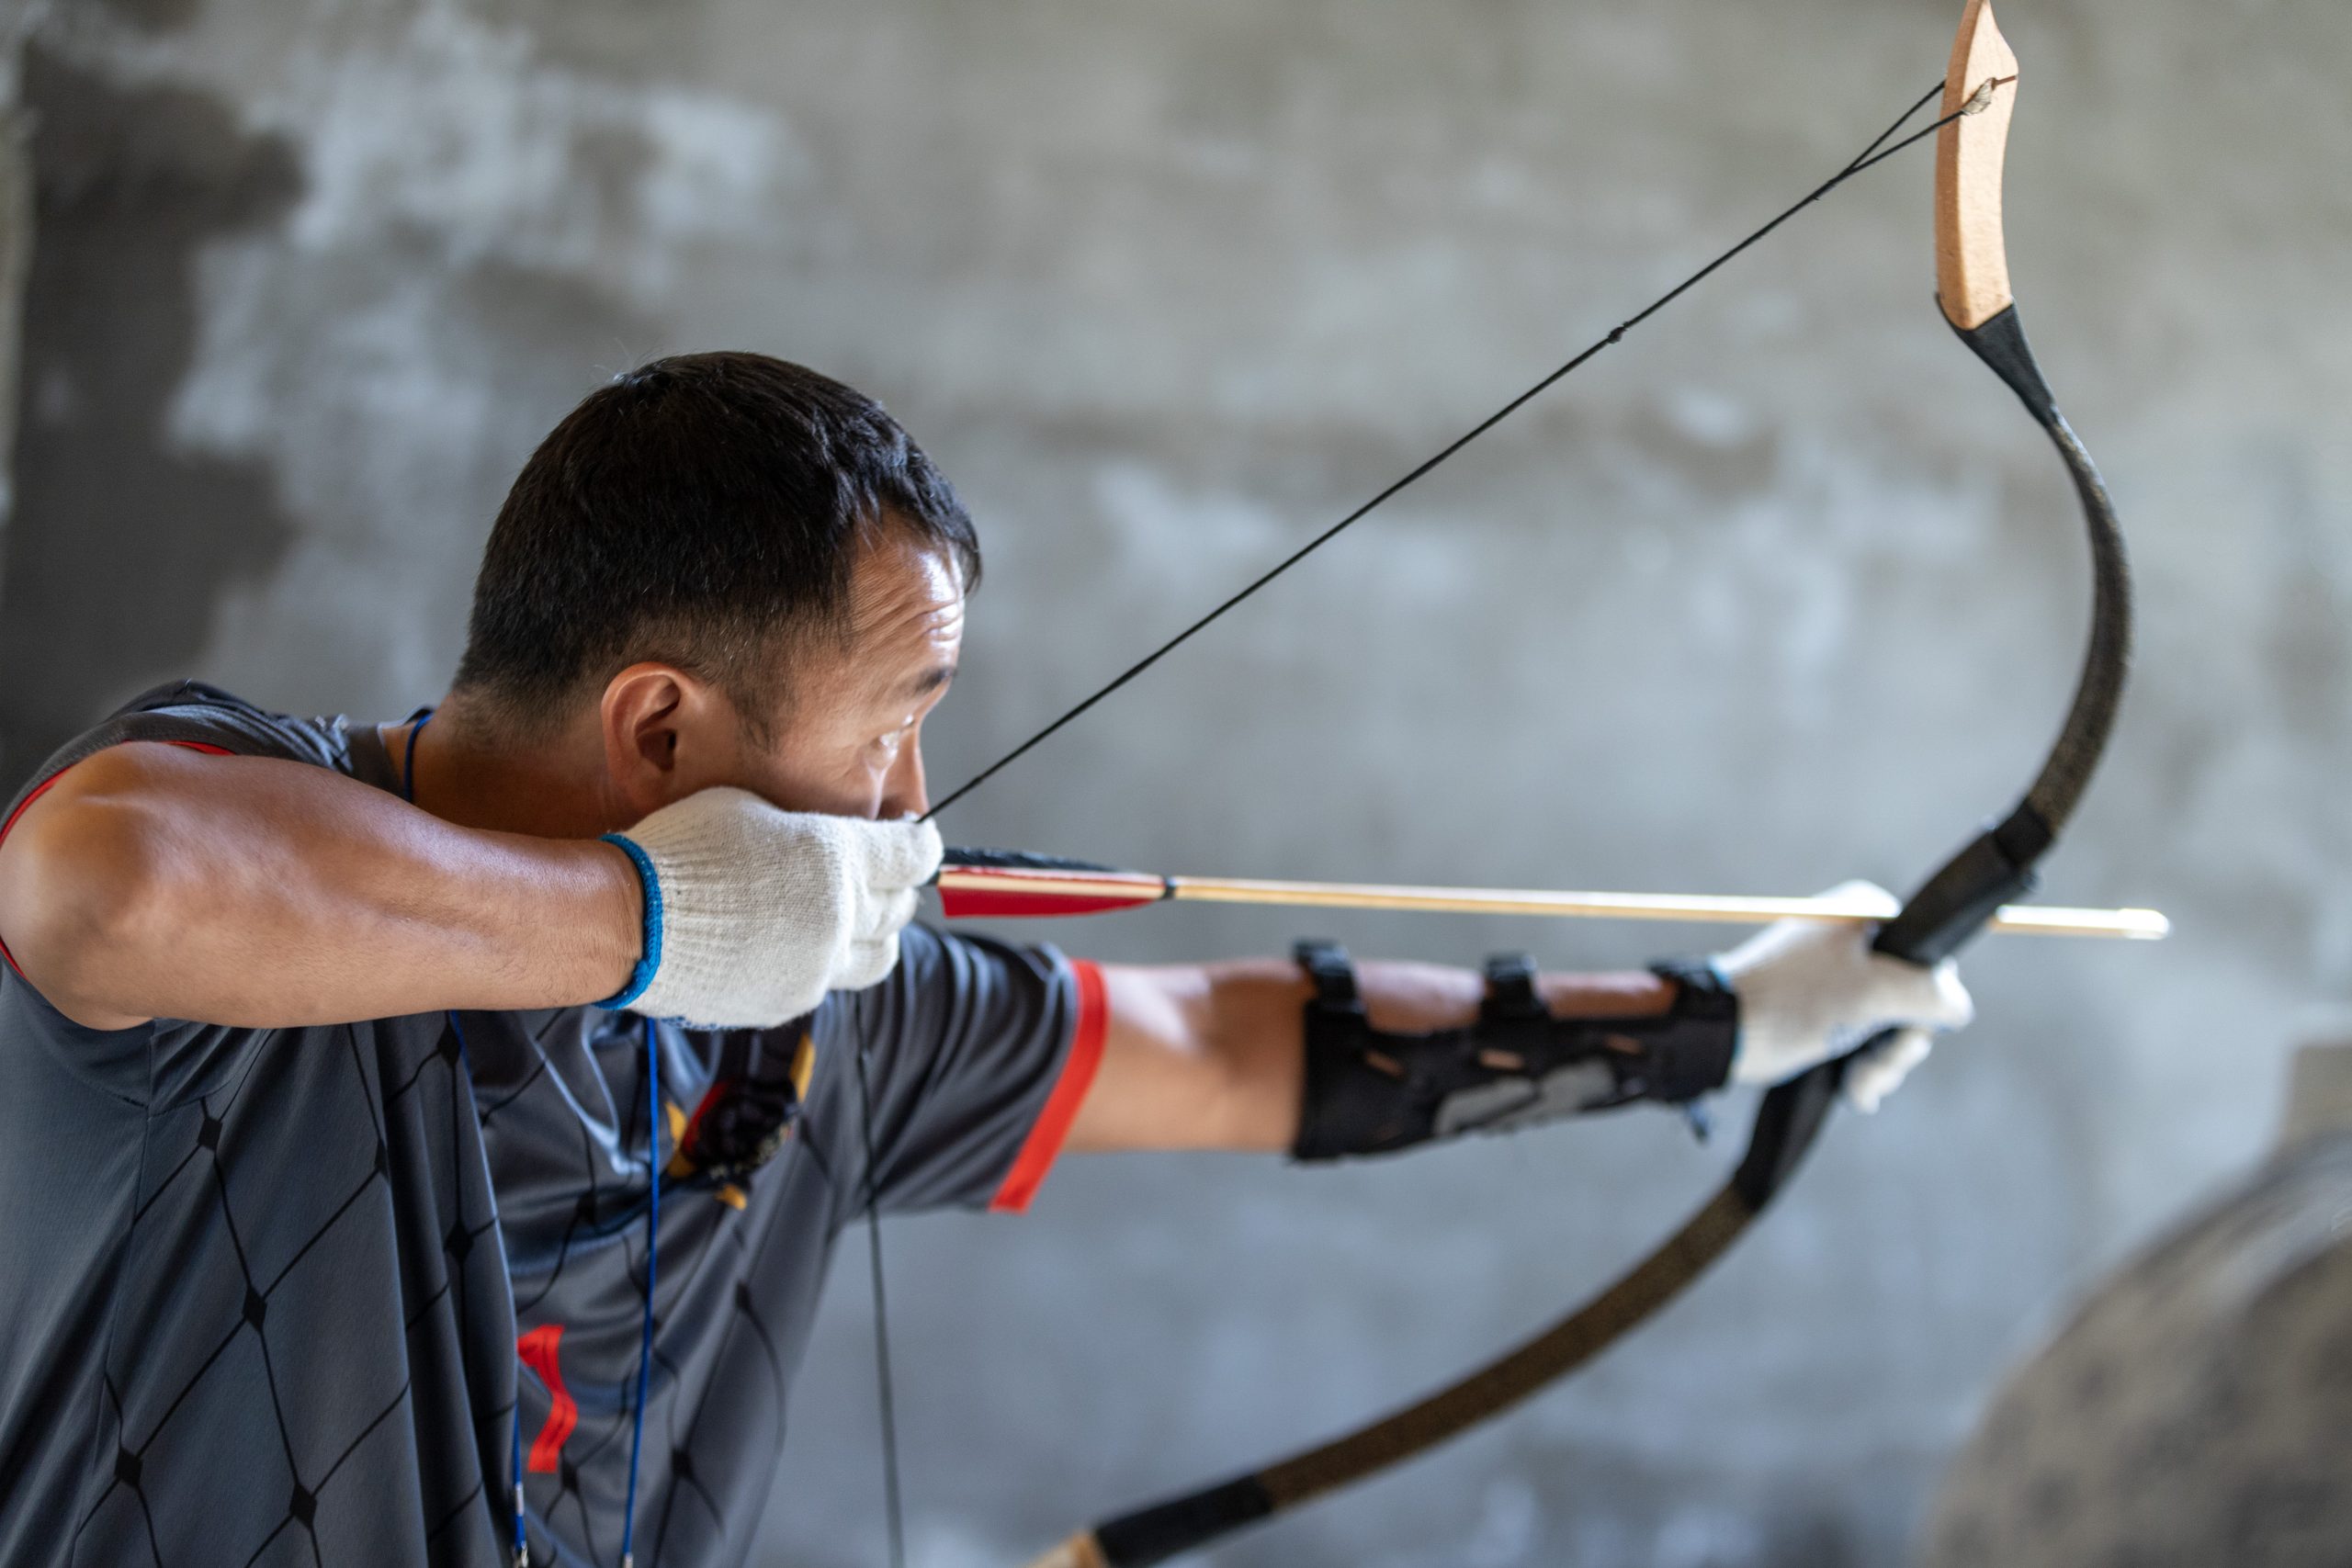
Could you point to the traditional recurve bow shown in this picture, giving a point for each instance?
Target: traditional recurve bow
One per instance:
(1995, 867)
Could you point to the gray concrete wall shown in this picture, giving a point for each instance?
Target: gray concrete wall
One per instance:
(1783, 590)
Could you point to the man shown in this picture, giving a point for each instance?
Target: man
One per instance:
(350, 1067)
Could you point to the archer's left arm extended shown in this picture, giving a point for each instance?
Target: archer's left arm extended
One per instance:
(1323, 1058)
(1212, 1056)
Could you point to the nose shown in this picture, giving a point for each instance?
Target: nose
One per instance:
(903, 794)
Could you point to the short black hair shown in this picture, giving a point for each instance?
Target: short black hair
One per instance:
(705, 510)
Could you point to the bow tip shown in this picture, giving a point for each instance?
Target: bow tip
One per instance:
(1080, 1550)
(1972, 260)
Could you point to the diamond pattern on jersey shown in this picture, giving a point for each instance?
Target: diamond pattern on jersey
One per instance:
(254, 1417)
(303, 1345)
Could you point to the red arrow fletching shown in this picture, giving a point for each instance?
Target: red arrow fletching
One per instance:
(978, 892)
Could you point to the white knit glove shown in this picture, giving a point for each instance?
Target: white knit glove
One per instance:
(1809, 991)
(753, 913)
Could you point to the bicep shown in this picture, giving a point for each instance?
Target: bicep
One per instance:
(1197, 1057)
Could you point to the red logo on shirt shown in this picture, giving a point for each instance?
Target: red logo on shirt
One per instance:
(537, 1350)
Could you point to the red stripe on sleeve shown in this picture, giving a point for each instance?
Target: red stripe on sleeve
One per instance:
(1044, 1142)
(42, 788)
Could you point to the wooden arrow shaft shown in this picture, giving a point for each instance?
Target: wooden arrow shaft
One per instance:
(999, 891)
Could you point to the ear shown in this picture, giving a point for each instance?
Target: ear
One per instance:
(666, 735)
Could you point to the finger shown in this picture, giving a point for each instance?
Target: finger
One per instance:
(1902, 991)
(884, 914)
(1859, 891)
(1959, 1006)
(901, 855)
(867, 962)
(1872, 1076)
(1774, 945)
(1783, 938)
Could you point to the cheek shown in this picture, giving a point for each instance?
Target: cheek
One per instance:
(821, 776)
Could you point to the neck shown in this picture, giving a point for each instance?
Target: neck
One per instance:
(470, 771)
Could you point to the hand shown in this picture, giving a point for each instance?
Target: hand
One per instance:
(1810, 992)
(754, 913)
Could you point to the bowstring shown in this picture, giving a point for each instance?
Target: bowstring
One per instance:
(1877, 153)
(1900, 121)
(885, 1395)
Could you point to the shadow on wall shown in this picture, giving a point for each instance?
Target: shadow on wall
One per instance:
(121, 543)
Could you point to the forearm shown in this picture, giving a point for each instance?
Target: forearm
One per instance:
(156, 883)
(1212, 1056)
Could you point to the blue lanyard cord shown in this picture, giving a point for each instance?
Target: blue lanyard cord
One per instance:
(653, 1235)
(514, 1429)
(422, 717)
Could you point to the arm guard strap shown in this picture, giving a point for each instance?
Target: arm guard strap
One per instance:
(1372, 1092)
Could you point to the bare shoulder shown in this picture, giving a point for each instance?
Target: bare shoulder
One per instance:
(67, 850)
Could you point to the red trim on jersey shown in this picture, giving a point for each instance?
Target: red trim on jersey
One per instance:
(537, 1349)
(1053, 1123)
(42, 788)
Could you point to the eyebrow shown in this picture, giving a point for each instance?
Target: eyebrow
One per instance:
(930, 681)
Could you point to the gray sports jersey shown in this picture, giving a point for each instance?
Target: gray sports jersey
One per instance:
(257, 1290)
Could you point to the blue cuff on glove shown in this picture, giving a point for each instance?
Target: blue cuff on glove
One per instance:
(650, 959)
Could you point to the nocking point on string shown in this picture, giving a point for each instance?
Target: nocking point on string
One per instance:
(1981, 100)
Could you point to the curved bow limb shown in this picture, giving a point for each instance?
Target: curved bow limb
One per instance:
(1952, 905)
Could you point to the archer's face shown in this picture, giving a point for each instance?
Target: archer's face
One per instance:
(850, 741)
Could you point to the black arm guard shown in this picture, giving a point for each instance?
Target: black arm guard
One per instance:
(1370, 1092)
